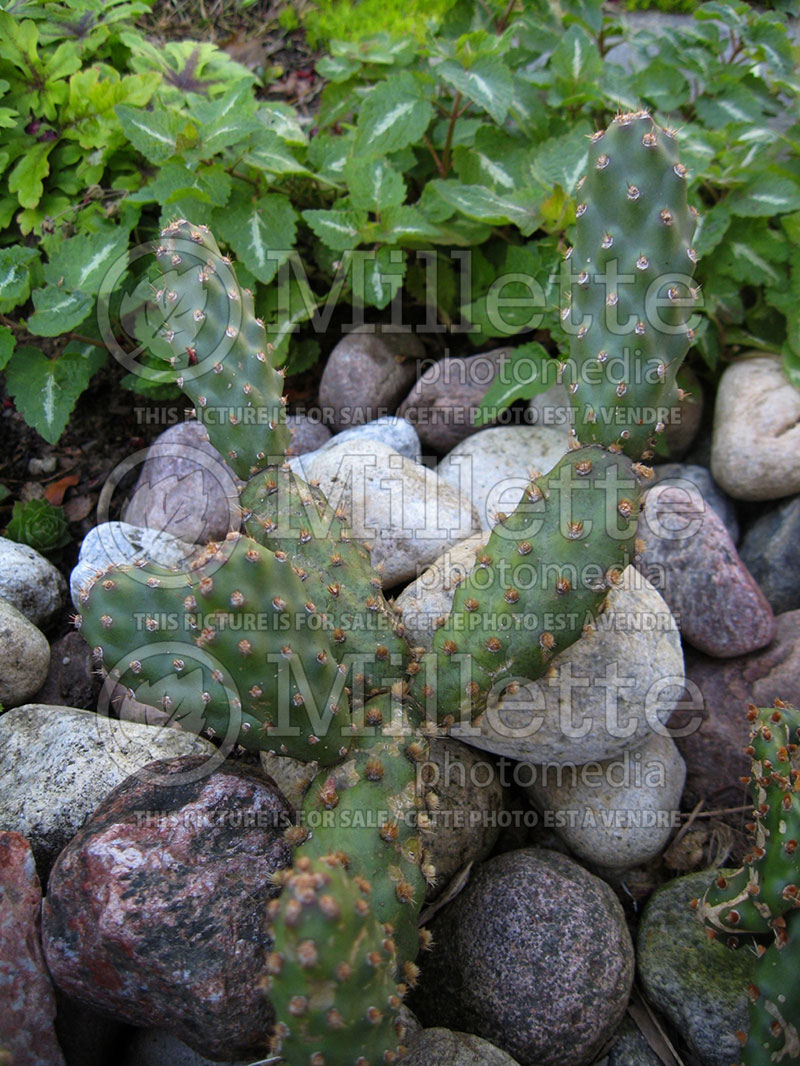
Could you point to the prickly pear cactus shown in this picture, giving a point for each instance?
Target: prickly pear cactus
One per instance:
(631, 293)
(285, 630)
(762, 899)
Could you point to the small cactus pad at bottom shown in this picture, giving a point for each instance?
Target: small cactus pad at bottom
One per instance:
(331, 971)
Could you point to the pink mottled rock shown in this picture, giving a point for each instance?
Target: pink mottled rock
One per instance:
(445, 400)
(690, 558)
(27, 1001)
(716, 732)
(156, 910)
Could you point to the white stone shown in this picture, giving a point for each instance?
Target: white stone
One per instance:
(404, 510)
(755, 448)
(493, 466)
(24, 657)
(617, 813)
(30, 583)
(605, 694)
(430, 597)
(398, 433)
(58, 763)
(117, 542)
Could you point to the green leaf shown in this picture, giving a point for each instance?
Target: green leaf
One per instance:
(45, 390)
(383, 273)
(528, 371)
(303, 354)
(487, 83)
(520, 209)
(393, 116)
(269, 152)
(576, 60)
(662, 85)
(562, 160)
(768, 195)
(15, 278)
(262, 233)
(175, 181)
(26, 179)
(82, 262)
(58, 311)
(374, 184)
(153, 133)
(752, 253)
(340, 230)
(711, 228)
(7, 343)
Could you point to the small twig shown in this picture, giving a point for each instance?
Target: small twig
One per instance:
(454, 115)
(723, 810)
(434, 154)
(501, 25)
(684, 829)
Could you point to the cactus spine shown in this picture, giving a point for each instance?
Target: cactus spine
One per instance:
(308, 683)
(761, 900)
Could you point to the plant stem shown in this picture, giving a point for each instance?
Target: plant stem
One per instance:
(501, 25)
(454, 114)
(437, 161)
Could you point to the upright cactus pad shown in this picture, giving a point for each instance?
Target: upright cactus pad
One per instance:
(763, 897)
(236, 637)
(542, 577)
(219, 350)
(631, 290)
(332, 970)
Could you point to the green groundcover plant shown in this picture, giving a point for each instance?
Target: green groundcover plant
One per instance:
(435, 184)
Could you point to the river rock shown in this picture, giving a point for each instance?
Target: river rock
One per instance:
(156, 911)
(407, 513)
(494, 466)
(533, 955)
(30, 583)
(605, 694)
(57, 764)
(367, 374)
(677, 474)
(117, 542)
(711, 730)
(619, 813)
(398, 433)
(445, 400)
(292, 776)
(26, 1026)
(443, 1047)
(465, 825)
(155, 1047)
(185, 488)
(430, 597)
(699, 984)
(769, 551)
(72, 679)
(631, 1047)
(24, 657)
(307, 433)
(755, 451)
(689, 556)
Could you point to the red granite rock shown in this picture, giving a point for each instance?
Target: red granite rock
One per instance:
(156, 910)
(27, 1000)
(714, 754)
(689, 556)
